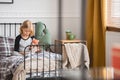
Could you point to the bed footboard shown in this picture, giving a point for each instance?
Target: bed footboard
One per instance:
(43, 64)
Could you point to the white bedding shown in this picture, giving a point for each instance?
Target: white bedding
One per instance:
(47, 62)
(15, 64)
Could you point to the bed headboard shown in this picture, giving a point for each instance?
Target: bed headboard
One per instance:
(10, 29)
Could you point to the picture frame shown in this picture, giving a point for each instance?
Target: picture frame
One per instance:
(6, 1)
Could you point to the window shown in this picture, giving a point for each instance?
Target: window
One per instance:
(113, 13)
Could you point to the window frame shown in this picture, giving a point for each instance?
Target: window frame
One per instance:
(111, 26)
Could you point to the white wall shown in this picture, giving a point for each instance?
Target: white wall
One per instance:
(71, 12)
(45, 11)
(30, 8)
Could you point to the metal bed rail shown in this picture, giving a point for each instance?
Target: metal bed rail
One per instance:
(10, 29)
(52, 48)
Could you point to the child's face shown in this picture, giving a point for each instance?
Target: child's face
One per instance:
(26, 31)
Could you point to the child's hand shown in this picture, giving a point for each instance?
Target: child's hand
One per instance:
(35, 48)
(35, 42)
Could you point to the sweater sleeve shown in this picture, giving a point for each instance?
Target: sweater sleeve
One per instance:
(16, 45)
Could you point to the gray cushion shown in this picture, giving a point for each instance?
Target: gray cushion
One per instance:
(6, 46)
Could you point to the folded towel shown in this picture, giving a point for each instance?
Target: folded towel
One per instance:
(75, 55)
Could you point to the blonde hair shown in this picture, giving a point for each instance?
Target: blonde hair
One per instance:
(27, 24)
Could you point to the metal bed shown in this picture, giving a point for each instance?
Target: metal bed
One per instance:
(56, 73)
(11, 30)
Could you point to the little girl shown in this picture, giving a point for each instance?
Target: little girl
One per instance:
(24, 38)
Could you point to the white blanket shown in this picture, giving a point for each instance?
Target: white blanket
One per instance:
(52, 64)
(75, 55)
